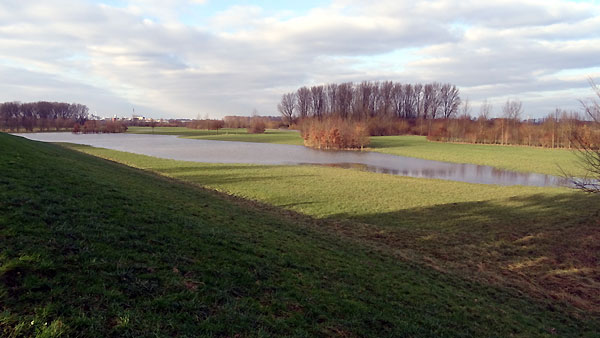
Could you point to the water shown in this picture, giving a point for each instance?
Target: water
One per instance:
(172, 147)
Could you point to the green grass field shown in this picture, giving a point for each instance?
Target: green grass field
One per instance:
(226, 134)
(517, 158)
(540, 240)
(95, 248)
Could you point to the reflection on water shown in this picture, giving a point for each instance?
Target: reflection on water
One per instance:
(172, 147)
(471, 173)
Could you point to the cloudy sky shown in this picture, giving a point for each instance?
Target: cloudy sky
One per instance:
(184, 58)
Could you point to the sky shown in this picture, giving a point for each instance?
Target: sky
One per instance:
(210, 58)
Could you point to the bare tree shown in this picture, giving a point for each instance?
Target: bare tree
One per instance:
(465, 109)
(418, 99)
(588, 147)
(397, 99)
(436, 99)
(286, 107)
(409, 104)
(331, 98)
(363, 103)
(485, 111)
(374, 99)
(304, 102)
(511, 112)
(318, 101)
(344, 99)
(450, 100)
(461, 123)
(512, 109)
(386, 95)
(428, 98)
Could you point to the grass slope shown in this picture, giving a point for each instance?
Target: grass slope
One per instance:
(546, 242)
(517, 158)
(93, 248)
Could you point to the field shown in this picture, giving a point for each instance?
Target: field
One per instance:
(93, 247)
(517, 158)
(540, 240)
(226, 134)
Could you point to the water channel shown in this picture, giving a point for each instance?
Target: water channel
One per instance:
(173, 147)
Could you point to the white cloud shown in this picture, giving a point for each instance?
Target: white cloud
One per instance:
(245, 57)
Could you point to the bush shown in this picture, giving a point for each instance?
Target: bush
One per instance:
(90, 126)
(334, 134)
(257, 126)
(271, 122)
(95, 127)
(113, 127)
(206, 124)
(386, 126)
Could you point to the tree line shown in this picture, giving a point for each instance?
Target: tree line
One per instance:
(100, 127)
(557, 129)
(41, 115)
(236, 121)
(253, 124)
(370, 99)
(435, 110)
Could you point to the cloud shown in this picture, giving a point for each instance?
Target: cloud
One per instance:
(141, 53)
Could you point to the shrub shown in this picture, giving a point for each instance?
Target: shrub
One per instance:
(206, 124)
(334, 134)
(94, 127)
(90, 126)
(113, 127)
(257, 126)
(386, 125)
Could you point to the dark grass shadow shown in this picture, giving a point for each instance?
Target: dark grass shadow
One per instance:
(218, 167)
(486, 219)
(548, 245)
(197, 174)
(527, 225)
(291, 205)
(226, 179)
